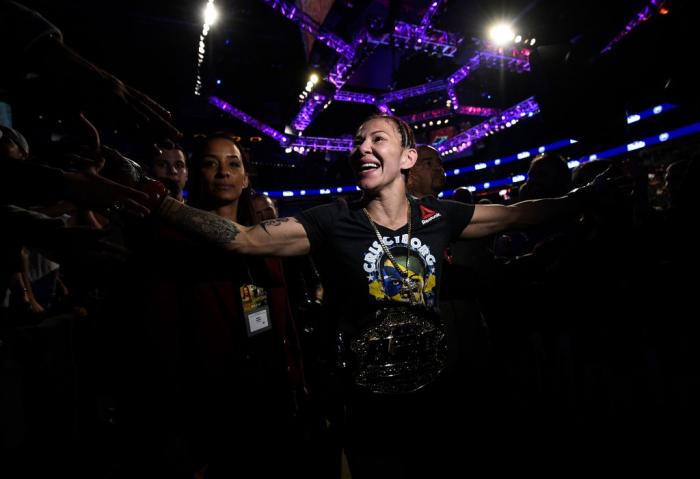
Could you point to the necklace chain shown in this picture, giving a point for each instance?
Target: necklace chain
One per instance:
(408, 285)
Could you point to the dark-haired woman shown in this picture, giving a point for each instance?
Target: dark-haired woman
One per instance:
(224, 335)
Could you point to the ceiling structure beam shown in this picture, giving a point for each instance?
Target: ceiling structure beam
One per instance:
(504, 119)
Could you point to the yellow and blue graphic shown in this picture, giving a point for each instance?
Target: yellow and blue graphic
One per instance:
(385, 281)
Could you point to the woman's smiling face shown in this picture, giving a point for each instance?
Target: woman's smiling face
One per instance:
(378, 156)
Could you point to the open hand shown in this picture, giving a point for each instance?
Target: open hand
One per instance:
(99, 193)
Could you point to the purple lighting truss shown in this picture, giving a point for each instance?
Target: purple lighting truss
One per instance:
(478, 111)
(472, 64)
(505, 119)
(360, 48)
(354, 97)
(452, 95)
(521, 52)
(428, 16)
(424, 89)
(427, 39)
(640, 18)
(313, 106)
(323, 144)
(443, 112)
(420, 37)
(310, 25)
(485, 58)
(512, 63)
(246, 118)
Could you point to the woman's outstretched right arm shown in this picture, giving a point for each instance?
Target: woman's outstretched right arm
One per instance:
(276, 237)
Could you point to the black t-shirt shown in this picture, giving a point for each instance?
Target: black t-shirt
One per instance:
(357, 275)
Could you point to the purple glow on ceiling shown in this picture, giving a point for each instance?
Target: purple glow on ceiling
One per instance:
(506, 118)
(246, 118)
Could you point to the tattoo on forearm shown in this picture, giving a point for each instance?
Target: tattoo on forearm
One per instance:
(275, 222)
(212, 227)
(207, 225)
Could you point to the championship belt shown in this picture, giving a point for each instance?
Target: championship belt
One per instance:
(403, 351)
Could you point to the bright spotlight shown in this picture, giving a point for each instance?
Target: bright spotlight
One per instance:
(313, 78)
(211, 14)
(501, 34)
(532, 42)
(518, 39)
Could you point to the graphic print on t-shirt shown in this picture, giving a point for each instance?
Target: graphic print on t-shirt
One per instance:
(385, 281)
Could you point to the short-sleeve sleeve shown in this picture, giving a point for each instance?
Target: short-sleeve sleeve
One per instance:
(458, 215)
(319, 222)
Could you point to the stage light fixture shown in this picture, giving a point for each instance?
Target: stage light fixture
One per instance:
(501, 34)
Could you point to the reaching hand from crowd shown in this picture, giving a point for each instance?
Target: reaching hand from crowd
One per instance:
(604, 190)
(96, 192)
(121, 169)
(87, 86)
